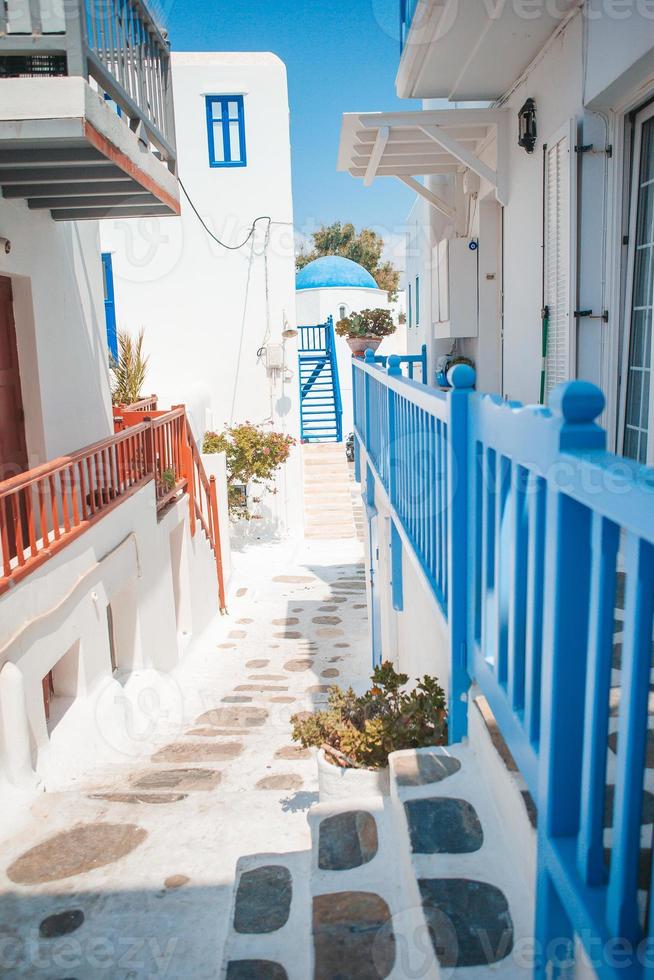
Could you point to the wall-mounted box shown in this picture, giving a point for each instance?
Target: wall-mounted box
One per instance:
(455, 300)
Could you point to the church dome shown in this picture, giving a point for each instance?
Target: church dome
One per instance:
(334, 271)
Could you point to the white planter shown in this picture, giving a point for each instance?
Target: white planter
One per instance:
(335, 783)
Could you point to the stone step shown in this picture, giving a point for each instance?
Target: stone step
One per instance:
(269, 936)
(366, 907)
(470, 871)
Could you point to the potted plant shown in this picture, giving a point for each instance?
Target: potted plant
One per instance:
(356, 734)
(366, 330)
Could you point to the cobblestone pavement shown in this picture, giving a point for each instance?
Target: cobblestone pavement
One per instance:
(127, 869)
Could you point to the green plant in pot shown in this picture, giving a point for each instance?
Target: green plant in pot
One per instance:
(357, 733)
(366, 330)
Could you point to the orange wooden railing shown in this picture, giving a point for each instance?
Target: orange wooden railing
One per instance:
(203, 502)
(48, 507)
(178, 467)
(147, 404)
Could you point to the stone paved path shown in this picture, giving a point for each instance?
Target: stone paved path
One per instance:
(128, 868)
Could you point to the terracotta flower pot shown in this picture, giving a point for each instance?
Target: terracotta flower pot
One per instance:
(359, 345)
(335, 783)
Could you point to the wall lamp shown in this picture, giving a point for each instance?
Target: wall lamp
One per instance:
(527, 126)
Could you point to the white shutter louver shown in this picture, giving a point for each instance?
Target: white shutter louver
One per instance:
(557, 261)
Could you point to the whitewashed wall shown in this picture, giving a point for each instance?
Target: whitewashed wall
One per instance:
(203, 307)
(56, 276)
(317, 305)
(161, 584)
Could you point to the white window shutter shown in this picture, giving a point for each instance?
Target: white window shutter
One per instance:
(559, 240)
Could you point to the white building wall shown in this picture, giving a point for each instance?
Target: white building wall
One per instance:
(315, 306)
(589, 76)
(161, 584)
(56, 275)
(208, 311)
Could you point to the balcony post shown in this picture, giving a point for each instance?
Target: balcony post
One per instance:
(394, 370)
(76, 37)
(459, 599)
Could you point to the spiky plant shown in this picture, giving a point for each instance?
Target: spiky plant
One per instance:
(129, 370)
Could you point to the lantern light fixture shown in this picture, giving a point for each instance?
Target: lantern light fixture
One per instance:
(527, 126)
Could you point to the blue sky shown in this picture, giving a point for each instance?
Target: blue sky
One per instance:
(341, 57)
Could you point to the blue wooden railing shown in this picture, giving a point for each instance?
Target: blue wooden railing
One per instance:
(408, 361)
(321, 410)
(521, 522)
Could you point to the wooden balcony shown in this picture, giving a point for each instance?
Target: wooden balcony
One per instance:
(45, 509)
(86, 118)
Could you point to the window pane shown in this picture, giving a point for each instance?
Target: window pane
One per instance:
(235, 142)
(218, 143)
(643, 281)
(631, 443)
(646, 215)
(232, 110)
(647, 152)
(216, 110)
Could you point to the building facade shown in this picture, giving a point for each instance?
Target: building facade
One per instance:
(509, 542)
(109, 532)
(547, 183)
(214, 289)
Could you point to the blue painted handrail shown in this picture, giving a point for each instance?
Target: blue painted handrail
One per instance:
(410, 360)
(321, 410)
(522, 523)
(338, 401)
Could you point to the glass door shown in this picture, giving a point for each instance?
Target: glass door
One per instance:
(638, 431)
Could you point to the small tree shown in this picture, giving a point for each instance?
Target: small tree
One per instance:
(364, 247)
(253, 456)
(129, 370)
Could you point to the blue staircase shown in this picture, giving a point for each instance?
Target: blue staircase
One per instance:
(320, 394)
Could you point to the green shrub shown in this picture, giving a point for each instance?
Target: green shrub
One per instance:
(253, 455)
(361, 731)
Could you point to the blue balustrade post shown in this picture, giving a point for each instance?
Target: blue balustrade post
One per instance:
(568, 561)
(394, 371)
(459, 599)
(355, 416)
(369, 359)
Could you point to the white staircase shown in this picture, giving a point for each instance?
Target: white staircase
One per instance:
(430, 882)
(328, 497)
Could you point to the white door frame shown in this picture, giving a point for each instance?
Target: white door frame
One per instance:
(641, 117)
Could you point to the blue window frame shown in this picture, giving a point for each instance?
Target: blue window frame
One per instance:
(226, 130)
(109, 304)
(410, 308)
(417, 301)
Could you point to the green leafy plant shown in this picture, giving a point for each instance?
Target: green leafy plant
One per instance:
(168, 479)
(361, 731)
(367, 323)
(129, 370)
(253, 456)
(364, 246)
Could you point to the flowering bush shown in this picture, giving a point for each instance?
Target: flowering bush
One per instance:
(361, 732)
(367, 323)
(253, 456)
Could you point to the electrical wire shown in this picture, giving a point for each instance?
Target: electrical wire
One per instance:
(231, 248)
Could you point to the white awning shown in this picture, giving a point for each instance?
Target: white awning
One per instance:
(407, 145)
(469, 50)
